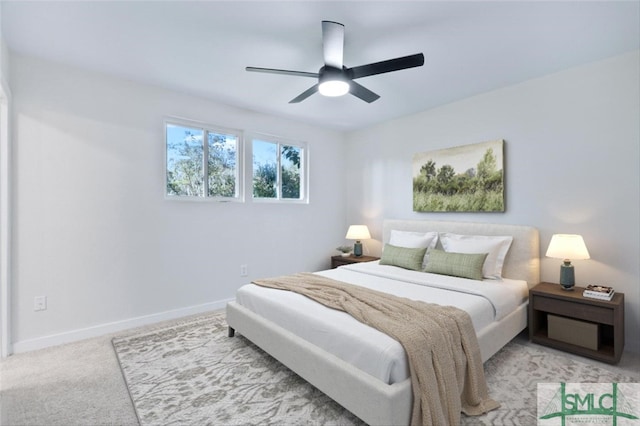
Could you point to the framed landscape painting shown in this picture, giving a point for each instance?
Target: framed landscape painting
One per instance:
(467, 178)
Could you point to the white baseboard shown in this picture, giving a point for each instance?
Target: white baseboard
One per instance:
(113, 327)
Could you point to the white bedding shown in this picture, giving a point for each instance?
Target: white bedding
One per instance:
(367, 348)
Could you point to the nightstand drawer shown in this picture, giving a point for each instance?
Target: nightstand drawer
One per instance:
(574, 310)
(347, 260)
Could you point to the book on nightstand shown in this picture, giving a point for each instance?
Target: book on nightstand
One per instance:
(598, 292)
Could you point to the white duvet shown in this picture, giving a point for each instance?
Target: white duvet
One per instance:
(367, 348)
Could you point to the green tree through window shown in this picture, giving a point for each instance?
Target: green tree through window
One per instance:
(277, 170)
(187, 172)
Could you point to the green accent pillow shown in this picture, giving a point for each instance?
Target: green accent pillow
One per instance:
(464, 265)
(403, 257)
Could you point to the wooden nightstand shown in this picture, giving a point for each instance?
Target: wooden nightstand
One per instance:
(346, 260)
(572, 320)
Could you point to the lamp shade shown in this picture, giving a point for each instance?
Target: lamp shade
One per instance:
(358, 232)
(567, 246)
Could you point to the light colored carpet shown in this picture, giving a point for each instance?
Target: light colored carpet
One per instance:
(78, 384)
(192, 373)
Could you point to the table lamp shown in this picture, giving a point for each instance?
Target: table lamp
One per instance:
(567, 246)
(358, 232)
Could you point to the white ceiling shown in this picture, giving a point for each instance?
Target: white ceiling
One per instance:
(202, 47)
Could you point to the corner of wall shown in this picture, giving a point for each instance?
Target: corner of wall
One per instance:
(4, 55)
(5, 197)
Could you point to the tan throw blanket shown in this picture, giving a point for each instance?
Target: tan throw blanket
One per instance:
(447, 375)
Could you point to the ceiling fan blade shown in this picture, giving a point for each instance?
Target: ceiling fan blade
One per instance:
(333, 43)
(382, 67)
(362, 92)
(286, 72)
(304, 95)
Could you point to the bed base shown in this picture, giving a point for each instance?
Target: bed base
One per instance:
(372, 400)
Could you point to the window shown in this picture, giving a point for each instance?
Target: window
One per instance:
(202, 162)
(278, 170)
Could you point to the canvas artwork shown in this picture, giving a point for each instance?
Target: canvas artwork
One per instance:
(467, 178)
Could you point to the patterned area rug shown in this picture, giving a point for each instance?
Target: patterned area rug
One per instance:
(191, 373)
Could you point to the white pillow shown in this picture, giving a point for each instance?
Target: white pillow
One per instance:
(496, 247)
(409, 239)
(413, 239)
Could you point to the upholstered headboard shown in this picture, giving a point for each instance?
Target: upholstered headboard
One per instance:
(523, 258)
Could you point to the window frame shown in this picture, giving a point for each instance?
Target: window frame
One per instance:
(304, 168)
(207, 129)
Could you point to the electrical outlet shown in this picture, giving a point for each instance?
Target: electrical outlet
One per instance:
(244, 270)
(40, 303)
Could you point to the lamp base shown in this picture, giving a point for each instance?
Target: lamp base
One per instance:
(567, 276)
(357, 249)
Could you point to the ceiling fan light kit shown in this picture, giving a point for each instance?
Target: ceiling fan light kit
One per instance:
(333, 88)
(334, 79)
(332, 82)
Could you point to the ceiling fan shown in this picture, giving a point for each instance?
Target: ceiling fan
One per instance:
(334, 79)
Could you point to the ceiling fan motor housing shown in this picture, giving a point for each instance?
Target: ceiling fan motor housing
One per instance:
(328, 73)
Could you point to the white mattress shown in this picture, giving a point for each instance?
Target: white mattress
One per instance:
(367, 348)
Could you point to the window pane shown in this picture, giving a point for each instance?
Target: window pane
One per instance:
(265, 169)
(222, 164)
(184, 161)
(290, 170)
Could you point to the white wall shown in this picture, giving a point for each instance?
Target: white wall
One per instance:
(4, 53)
(93, 232)
(5, 195)
(572, 166)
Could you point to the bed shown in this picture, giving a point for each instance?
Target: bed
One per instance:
(360, 368)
